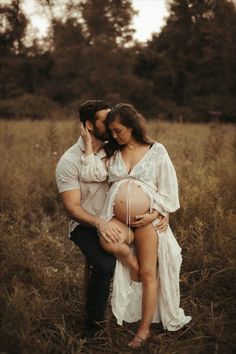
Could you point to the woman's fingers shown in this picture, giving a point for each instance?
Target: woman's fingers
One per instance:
(85, 134)
(137, 217)
(142, 220)
(136, 224)
(82, 130)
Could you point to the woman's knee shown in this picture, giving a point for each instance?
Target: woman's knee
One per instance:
(108, 247)
(147, 275)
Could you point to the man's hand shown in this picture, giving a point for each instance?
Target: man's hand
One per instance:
(109, 231)
(162, 226)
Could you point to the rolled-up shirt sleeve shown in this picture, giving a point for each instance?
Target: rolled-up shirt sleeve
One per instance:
(93, 169)
(67, 176)
(166, 199)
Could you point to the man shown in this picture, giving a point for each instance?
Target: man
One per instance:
(84, 202)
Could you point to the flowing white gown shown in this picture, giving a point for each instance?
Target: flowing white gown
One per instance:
(155, 174)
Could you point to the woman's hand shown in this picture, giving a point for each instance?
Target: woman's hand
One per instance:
(148, 218)
(87, 139)
(145, 219)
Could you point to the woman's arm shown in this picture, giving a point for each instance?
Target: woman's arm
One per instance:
(166, 199)
(93, 169)
(93, 166)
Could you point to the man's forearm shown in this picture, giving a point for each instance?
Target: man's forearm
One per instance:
(80, 215)
(71, 201)
(109, 232)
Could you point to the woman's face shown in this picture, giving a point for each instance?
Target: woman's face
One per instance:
(120, 133)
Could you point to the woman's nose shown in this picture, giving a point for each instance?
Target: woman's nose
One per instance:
(114, 135)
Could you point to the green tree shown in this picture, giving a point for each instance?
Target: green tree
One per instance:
(12, 49)
(13, 28)
(66, 54)
(90, 58)
(192, 61)
(108, 21)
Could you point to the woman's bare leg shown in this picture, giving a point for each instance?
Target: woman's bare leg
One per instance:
(146, 243)
(121, 249)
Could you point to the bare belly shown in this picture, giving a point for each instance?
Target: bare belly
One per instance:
(130, 200)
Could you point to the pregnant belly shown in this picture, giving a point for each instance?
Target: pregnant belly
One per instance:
(130, 201)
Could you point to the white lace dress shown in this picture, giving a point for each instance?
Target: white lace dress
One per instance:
(155, 174)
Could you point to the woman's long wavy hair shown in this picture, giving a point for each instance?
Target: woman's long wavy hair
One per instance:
(130, 118)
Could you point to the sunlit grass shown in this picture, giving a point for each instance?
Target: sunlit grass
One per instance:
(42, 272)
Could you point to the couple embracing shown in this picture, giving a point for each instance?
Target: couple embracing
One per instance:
(119, 187)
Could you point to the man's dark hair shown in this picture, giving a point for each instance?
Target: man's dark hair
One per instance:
(88, 109)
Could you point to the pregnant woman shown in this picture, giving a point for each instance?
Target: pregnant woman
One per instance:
(143, 188)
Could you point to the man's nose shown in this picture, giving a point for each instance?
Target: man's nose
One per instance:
(114, 135)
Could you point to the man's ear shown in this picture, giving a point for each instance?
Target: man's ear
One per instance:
(89, 125)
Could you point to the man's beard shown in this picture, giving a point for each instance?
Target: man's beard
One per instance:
(99, 135)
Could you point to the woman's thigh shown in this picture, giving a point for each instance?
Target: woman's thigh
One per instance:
(146, 244)
(127, 235)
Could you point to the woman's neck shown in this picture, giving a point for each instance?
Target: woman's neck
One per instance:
(132, 145)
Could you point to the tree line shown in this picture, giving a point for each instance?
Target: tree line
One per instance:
(185, 72)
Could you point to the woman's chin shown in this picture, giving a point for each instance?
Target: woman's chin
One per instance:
(121, 143)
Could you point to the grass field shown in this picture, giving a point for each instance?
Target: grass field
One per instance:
(41, 271)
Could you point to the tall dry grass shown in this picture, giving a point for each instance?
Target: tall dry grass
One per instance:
(42, 271)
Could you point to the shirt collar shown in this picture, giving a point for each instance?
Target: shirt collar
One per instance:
(81, 144)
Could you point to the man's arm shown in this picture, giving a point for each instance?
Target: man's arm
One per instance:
(71, 200)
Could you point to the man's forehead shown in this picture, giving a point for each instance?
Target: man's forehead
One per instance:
(102, 114)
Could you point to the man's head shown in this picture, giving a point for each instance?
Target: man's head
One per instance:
(93, 114)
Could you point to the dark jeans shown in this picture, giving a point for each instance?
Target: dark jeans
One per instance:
(102, 270)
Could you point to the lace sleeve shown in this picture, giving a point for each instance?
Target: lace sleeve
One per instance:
(166, 199)
(92, 169)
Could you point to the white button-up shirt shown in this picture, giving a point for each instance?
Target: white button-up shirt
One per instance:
(93, 194)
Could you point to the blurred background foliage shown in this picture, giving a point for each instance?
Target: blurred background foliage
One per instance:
(185, 72)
